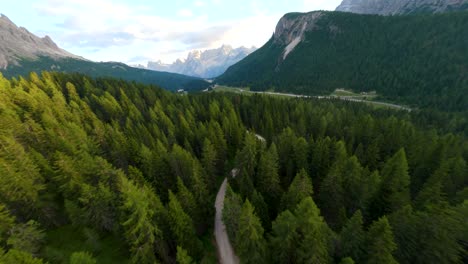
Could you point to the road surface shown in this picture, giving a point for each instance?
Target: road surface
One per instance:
(225, 250)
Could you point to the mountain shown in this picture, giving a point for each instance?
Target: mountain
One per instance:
(21, 52)
(419, 60)
(394, 7)
(18, 43)
(204, 64)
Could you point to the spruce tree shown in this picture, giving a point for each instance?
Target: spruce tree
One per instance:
(284, 239)
(250, 244)
(300, 188)
(314, 234)
(352, 238)
(380, 243)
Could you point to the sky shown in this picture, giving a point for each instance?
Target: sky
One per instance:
(138, 31)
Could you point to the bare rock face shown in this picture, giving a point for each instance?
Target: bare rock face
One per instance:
(398, 7)
(204, 64)
(294, 25)
(18, 43)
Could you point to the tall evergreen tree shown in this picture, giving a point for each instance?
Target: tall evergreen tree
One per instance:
(267, 180)
(300, 188)
(352, 238)
(394, 192)
(284, 239)
(250, 244)
(182, 227)
(380, 243)
(314, 234)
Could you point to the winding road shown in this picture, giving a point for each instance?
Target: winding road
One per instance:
(225, 250)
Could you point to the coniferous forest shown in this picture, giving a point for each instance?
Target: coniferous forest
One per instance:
(108, 171)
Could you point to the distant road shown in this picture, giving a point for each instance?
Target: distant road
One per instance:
(344, 98)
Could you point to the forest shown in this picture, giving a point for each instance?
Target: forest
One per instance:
(418, 60)
(109, 171)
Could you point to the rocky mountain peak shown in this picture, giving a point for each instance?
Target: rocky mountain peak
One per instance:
(293, 26)
(396, 7)
(18, 43)
(205, 64)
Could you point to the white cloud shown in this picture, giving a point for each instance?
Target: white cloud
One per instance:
(185, 13)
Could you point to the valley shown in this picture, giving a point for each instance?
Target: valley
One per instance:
(343, 139)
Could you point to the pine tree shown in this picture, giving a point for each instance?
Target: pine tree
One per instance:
(6, 222)
(82, 258)
(352, 238)
(20, 257)
(209, 161)
(380, 244)
(314, 234)
(394, 191)
(183, 257)
(300, 188)
(268, 182)
(347, 260)
(141, 231)
(182, 227)
(231, 212)
(284, 240)
(27, 237)
(250, 244)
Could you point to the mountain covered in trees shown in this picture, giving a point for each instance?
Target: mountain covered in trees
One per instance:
(204, 64)
(400, 7)
(419, 60)
(107, 171)
(21, 52)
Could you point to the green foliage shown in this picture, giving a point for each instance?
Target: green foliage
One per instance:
(250, 245)
(231, 212)
(169, 81)
(27, 237)
(352, 238)
(300, 188)
(183, 257)
(19, 257)
(92, 160)
(6, 222)
(380, 244)
(182, 227)
(82, 258)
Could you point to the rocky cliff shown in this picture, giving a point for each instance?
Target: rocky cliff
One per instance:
(206, 64)
(18, 43)
(395, 7)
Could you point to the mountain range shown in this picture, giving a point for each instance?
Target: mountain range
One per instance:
(22, 52)
(204, 64)
(398, 7)
(420, 60)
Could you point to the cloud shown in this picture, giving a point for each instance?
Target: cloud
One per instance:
(185, 13)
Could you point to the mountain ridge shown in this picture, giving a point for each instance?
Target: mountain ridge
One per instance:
(22, 52)
(401, 7)
(18, 43)
(416, 60)
(204, 64)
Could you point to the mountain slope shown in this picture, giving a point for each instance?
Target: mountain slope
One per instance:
(420, 60)
(21, 52)
(393, 7)
(18, 42)
(204, 64)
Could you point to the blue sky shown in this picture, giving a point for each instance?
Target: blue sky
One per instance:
(137, 31)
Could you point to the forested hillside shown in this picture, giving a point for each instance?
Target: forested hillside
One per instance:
(419, 60)
(166, 80)
(107, 171)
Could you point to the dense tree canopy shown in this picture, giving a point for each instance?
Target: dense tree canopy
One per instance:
(106, 171)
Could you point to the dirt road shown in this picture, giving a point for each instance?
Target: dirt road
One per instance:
(225, 250)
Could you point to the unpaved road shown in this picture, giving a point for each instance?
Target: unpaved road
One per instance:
(225, 250)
